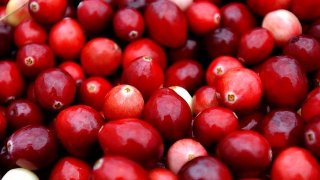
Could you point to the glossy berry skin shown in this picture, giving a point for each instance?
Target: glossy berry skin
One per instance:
(23, 112)
(100, 57)
(312, 135)
(11, 81)
(255, 46)
(123, 137)
(169, 113)
(33, 58)
(240, 98)
(165, 13)
(310, 107)
(144, 70)
(29, 32)
(205, 167)
(32, 147)
(306, 50)
(161, 174)
(77, 128)
(70, 168)
(47, 11)
(188, 74)
(205, 97)
(202, 23)
(128, 24)
(281, 88)
(246, 152)
(301, 162)
(213, 124)
(74, 70)
(67, 47)
(55, 89)
(94, 16)
(118, 167)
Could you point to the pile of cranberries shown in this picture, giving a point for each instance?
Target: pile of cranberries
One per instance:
(159, 89)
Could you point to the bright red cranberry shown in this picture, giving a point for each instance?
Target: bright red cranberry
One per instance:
(187, 73)
(11, 81)
(33, 147)
(77, 128)
(255, 46)
(222, 41)
(144, 70)
(314, 30)
(6, 38)
(182, 151)
(237, 17)
(47, 11)
(118, 167)
(123, 101)
(306, 10)
(128, 24)
(213, 124)
(162, 174)
(306, 50)
(32, 59)
(250, 121)
(3, 127)
(284, 82)
(100, 57)
(190, 50)
(205, 97)
(144, 47)
(165, 13)
(295, 162)
(312, 135)
(311, 106)
(262, 7)
(70, 168)
(94, 16)
(29, 32)
(219, 66)
(169, 113)
(66, 38)
(240, 89)
(123, 137)
(205, 167)
(246, 152)
(74, 70)
(23, 112)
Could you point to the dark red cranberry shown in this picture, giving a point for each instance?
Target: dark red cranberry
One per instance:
(31, 94)
(247, 153)
(6, 161)
(262, 7)
(3, 127)
(6, 39)
(312, 136)
(314, 30)
(168, 113)
(47, 11)
(135, 4)
(205, 97)
(33, 147)
(190, 50)
(74, 70)
(55, 89)
(250, 121)
(162, 174)
(307, 10)
(71, 11)
(311, 106)
(205, 167)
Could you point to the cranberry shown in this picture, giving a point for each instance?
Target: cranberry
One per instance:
(31, 94)
(190, 50)
(250, 121)
(118, 167)
(55, 89)
(183, 4)
(77, 128)
(246, 152)
(23, 112)
(169, 113)
(314, 30)
(301, 164)
(100, 57)
(162, 174)
(284, 82)
(74, 70)
(32, 59)
(182, 92)
(3, 127)
(6, 160)
(6, 39)
(306, 10)
(94, 16)
(310, 107)
(205, 97)
(312, 135)
(47, 11)
(205, 167)
(71, 11)
(18, 11)
(33, 147)
(29, 32)
(66, 38)
(11, 81)
(70, 168)
(262, 7)
(165, 13)
(135, 4)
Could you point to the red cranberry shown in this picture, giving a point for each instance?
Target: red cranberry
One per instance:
(3, 127)
(11, 81)
(190, 50)
(74, 70)
(306, 10)
(250, 121)
(295, 162)
(70, 168)
(165, 13)
(54, 89)
(314, 30)
(118, 167)
(100, 57)
(66, 38)
(284, 82)
(71, 11)
(6, 38)
(246, 152)
(123, 137)
(162, 174)
(262, 7)
(205, 167)
(47, 11)
(31, 94)
(312, 135)
(169, 113)
(310, 107)
(23, 112)
(32, 147)
(135, 4)
(205, 97)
